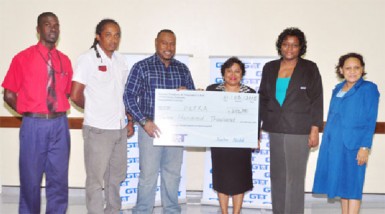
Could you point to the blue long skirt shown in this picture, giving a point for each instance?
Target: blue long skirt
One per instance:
(338, 173)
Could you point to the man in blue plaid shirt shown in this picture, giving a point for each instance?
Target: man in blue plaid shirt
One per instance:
(162, 71)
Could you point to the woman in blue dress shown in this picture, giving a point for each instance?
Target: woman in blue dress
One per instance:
(348, 135)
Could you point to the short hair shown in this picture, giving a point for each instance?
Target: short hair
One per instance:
(230, 62)
(292, 31)
(100, 28)
(44, 15)
(165, 31)
(342, 60)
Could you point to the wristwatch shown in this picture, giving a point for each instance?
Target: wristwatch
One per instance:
(143, 122)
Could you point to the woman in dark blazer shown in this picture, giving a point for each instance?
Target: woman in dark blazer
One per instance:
(291, 110)
(231, 167)
(348, 135)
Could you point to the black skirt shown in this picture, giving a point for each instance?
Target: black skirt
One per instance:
(231, 170)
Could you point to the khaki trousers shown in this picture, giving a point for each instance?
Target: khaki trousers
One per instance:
(105, 155)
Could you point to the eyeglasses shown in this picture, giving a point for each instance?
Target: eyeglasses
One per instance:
(288, 45)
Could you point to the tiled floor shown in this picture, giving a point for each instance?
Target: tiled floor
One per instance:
(372, 204)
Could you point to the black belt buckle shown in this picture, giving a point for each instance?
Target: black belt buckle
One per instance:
(44, 116)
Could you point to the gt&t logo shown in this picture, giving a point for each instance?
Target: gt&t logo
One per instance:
(179, 138)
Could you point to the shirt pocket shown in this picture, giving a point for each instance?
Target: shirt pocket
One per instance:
(102, 76)
(62, 80)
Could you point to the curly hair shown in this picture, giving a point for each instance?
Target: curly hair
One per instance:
(230, 62)
(342, 60)
(292, 31)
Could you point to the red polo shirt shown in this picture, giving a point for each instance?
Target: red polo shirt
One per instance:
(27, 77)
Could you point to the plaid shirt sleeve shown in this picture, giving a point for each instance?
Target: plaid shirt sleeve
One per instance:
(188, 79)
(132, 91)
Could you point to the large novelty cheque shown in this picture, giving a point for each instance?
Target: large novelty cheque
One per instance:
(206, 118)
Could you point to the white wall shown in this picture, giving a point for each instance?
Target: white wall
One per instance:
(203, 28)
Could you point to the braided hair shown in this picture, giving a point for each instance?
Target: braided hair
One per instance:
(98, 31)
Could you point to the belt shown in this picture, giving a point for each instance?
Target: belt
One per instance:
(45, 116)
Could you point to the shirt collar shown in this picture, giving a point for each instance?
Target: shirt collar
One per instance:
(353, 89)
(158, 60)
(358, 83)
(44, 50)
(242, 89)
(103, 55)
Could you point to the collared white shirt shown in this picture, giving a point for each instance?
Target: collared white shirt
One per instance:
(104, 79)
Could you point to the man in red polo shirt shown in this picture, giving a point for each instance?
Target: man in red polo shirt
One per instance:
(37, 86)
